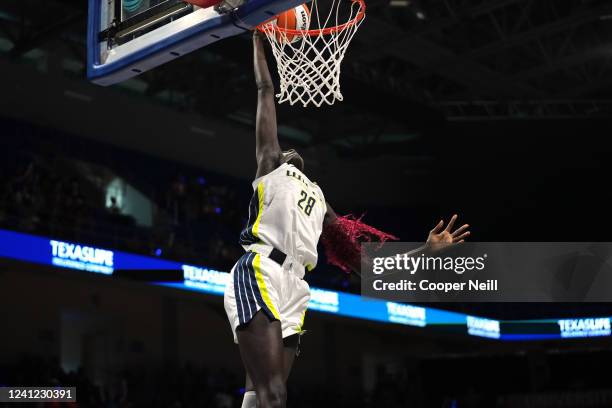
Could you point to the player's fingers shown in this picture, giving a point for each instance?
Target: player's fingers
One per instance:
(460, 230)
(449, 227)
(462, 236)
(438, 227)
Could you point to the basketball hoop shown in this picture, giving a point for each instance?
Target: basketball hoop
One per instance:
(309, 60)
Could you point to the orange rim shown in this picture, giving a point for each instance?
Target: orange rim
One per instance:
(321, 31)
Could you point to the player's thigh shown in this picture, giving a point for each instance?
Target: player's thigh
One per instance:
(289, 353)
(290, 347)
(262, 351)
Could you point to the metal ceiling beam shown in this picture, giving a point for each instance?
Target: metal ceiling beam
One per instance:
(5, 29)
(432, 57)
(602, 51)
(525, 110)
(581, 18)
(587, 89)
(428, 26)
(31, 41)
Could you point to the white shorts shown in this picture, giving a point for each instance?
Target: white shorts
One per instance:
(259, 283)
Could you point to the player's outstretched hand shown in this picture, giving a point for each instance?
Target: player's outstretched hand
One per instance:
(441, 238)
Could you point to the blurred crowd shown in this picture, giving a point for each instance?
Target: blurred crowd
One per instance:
(162, 387)
(44, 190)
(165, 387)
(198, 386)
(194, 221)
(55, 185)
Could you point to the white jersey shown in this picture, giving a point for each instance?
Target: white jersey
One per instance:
(286, 212)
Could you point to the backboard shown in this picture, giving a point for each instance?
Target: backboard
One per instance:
(128, 37)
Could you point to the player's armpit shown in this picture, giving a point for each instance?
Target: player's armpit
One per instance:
(330, 215)
(267, 162)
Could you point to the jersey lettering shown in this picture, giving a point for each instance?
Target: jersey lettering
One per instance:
(306, 203)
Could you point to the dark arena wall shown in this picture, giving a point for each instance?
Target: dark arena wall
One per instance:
(110, 327)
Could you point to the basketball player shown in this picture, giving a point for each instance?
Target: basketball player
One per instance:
(266, 297)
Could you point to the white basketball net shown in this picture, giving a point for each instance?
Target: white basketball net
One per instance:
(309, 68)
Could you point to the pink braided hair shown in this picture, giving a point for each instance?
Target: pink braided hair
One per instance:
(342, 240)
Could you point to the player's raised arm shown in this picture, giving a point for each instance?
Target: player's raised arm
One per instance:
(267, 149)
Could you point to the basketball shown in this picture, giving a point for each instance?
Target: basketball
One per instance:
(297, 18)
(203, 3)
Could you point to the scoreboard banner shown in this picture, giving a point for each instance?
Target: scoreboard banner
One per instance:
(106, 263)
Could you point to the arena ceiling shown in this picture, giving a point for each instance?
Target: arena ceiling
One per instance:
(413, 64)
